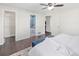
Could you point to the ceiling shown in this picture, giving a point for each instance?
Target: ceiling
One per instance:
(36, 7)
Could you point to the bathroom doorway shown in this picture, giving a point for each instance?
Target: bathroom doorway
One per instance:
(32, 25)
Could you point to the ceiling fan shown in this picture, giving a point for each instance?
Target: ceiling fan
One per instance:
(51, 6)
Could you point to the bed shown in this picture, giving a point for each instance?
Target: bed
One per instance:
(60, 45)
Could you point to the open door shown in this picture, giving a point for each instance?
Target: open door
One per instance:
(9, 25)
(47, 25)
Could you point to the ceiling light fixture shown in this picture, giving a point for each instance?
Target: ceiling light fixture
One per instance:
(50, 8)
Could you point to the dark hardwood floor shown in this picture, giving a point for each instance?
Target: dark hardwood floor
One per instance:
(11, 45)
(47, 33)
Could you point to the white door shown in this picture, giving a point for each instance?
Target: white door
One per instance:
(9, 24)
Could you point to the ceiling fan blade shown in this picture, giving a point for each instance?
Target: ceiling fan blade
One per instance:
(59, 5)
(43, 4)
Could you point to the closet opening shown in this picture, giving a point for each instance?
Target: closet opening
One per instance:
(9, 26)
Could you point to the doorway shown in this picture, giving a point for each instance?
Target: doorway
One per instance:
(47, 25)
(9, 25)
(32, 25)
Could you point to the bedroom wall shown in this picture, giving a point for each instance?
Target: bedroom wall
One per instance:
(22, 24)
(65, 20)
(70, 21)
(22, 30)
(55, 23)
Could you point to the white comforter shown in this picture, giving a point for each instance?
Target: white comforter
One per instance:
(61, 45)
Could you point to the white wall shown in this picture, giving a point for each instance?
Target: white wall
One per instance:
(65, 20)
(22, 24)
(70, 21)
(54, 22)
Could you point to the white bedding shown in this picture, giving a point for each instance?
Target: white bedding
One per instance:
(61, 45)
